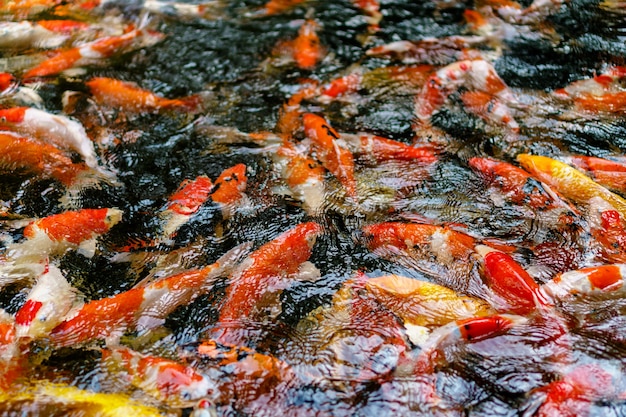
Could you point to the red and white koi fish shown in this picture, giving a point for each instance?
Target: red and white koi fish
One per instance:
(469, 330)
(380, 149)
(142, 307)
(265, 270)
(433, 51)
(509, 280)
(602, 93)
(58, 233)
(91, 52)
(57, 130)
(186, 201)
(303, 175)
(474, 75)
(331, 151)
(575, 392)
(603, 278)
(47, 304)
(606, 172)
(128, 97)
(208, 10)
(8, 83)
(8, 347)
(174, 384)
(42, 34)
(372, 10)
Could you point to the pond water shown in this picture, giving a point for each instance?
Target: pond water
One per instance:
(300, 326)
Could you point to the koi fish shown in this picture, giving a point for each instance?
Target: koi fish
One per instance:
(509, 280)
(303, 175)
(490, 109)
(602, 93)
(468, 330)
(42, 34)
(47, 304)
(8, 83)
(95, 51)
(130, 98)
(422, 303)
(175, 384)
(611, 174)
(141, 307)
(331, 151)
(383, 149)
(57, 130)
(574, 393)
(441, 253)
(273, 7)
(474, 75)
(186, 201)
(603, 278)
(184, 10)
(70, 230)
(432, 51)
(307, 50)
(570, 182)
(21, 154)
(266, 269)
(372, 10)
(8, 347)
(67, 399)
(518, 186)
(229, 189)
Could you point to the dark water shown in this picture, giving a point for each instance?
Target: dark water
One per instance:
(342, 365)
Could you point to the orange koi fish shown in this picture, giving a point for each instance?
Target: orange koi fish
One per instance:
(331, 151)
(48, 302)
(141, 307)
(575, 392)
(445, 243)
(422, 303)
(57, 130)
(341, 86)
(290, 120)
(611, 174)
(383, 149)
(266, 269)
(603, 278)
(307, 50)
(229, 189)
(58, 233)
(278, 6)
(443, 254)
(21, 154)
(8, 83)
(242, 364)
(43, 34)
(97, 50)
(130, 98)
(570, 182)
(474, 75)
(519, 186)
(175, 384)
(509, 280)
(303, 175)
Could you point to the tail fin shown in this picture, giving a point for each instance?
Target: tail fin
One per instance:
(87, 178)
